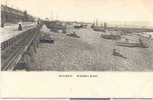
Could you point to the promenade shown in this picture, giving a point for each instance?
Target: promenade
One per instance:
(10, 30)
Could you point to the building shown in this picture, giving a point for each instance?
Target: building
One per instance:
(12, 15)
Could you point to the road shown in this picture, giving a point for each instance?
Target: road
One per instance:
(90, 52)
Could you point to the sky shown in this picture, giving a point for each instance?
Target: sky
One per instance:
(88, 10)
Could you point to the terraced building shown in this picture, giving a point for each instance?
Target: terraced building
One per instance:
(12, 15)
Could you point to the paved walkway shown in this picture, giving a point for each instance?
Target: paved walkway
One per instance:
(11, 30)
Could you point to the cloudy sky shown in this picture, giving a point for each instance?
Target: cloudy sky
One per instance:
(88, 10)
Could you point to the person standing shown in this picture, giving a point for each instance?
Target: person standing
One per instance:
(20, 26)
